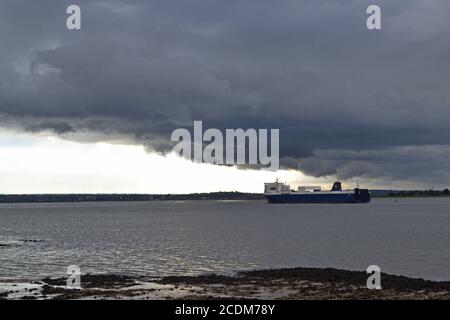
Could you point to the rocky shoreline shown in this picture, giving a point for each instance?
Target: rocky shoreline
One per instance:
(293, 283)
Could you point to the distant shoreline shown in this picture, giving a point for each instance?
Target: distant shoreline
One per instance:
(36, 198)
(218, 196)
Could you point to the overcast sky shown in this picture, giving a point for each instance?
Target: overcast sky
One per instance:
(350, 103)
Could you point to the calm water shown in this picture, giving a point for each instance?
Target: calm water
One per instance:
(409, 237)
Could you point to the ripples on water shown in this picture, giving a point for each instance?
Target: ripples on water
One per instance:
(409, 237)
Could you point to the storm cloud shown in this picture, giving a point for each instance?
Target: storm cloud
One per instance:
(349, 102)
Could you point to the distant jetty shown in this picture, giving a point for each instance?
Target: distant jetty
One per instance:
(410, 193)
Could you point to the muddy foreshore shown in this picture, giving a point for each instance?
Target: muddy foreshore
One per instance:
(294, 283)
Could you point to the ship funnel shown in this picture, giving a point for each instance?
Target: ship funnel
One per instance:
(336, 186)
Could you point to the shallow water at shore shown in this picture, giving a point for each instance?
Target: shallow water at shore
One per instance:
(409, 237)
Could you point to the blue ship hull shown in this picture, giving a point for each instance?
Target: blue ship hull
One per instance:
(358, 196)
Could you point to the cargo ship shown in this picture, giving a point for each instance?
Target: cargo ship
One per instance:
(278, 192)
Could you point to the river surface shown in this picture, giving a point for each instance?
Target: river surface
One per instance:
(408, 237)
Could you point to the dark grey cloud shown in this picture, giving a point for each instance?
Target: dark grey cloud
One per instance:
(349, 102)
